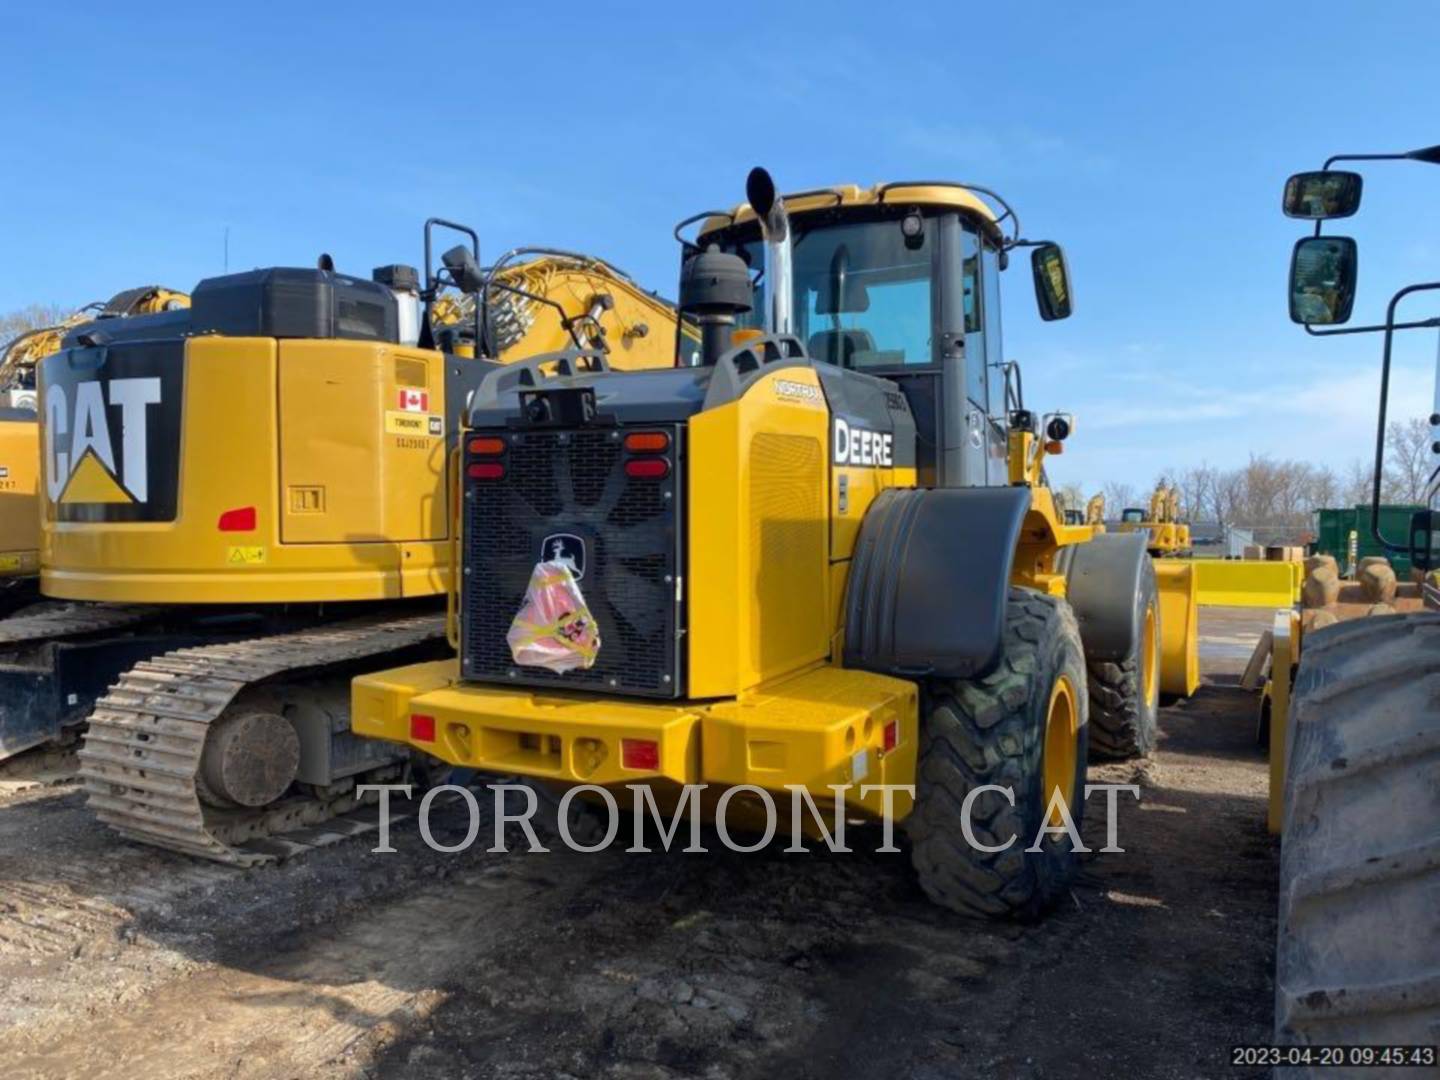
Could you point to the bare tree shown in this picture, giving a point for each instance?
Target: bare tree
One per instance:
(1071, 496)
(1118, 496)
(1408, 460)
(1324, 487)
(1359, 479)
(30, 318)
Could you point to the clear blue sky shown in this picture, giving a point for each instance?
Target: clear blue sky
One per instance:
(1151, 139)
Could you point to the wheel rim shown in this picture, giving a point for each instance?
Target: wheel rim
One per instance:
(1062, 730)
(1149, 654)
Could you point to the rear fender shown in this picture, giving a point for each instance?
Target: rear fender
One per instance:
(929, 580)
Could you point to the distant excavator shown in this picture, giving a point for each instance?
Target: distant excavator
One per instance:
(1169, 535)
(1095, 512)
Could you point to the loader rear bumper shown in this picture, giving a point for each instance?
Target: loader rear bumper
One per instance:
(824, 727)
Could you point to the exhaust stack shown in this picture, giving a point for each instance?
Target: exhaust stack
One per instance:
(769, 208)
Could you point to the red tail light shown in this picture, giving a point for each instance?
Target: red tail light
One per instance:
(892, 734)
(640, 754)
(485, 470)
(648, 468)
(422, 727)
(241, 519)
(647, 442)
(487, 446)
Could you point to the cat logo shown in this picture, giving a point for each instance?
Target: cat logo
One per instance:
(90, 470)
(111, 431)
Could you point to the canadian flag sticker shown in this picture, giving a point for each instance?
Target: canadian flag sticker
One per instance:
(414, 401)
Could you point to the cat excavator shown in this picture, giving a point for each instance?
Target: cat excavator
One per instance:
(245, 502)
(20, 433)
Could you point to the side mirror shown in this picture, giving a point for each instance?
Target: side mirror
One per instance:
(1425, 540)
(1322, 196)
(1322, 280)
(463, 271)
(1052, 282)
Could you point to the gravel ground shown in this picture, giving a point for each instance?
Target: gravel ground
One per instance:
(117, 960)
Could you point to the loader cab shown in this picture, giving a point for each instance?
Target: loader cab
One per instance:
(1132, 515)
(903, 282)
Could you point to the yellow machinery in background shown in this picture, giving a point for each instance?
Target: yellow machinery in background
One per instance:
(249, 498)
(1168, 534)
(812, 559)
(20, 433)
(1095, 513)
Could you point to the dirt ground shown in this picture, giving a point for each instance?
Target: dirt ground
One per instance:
(120, 961)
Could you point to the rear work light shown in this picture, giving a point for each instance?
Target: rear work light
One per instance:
(647, 442)
(422, 727)
(485, 470)
(640, 754)
(487, 446)
(648, 468)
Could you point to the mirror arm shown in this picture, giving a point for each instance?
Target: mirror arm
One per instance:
(1390, 327)
(1361, 157)
(1422, 324)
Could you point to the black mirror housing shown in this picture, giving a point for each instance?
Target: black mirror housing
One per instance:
(1425, 540)
(1323, 273)
(1322, 196)
(1052, 282)
(463, 271)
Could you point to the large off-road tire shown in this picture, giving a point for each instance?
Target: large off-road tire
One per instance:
(1022, 727)
(1358, 955)
(1125, 695)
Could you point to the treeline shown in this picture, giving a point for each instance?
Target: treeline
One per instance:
(1266, 492)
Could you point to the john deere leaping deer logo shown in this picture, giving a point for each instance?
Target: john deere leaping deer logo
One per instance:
(565, 548)
(112, 433)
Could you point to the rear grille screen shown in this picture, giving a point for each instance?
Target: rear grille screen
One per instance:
(570, 488)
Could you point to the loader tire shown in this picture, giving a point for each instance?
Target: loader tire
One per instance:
(1125, 696)
(1004, 729)
(1359, 915)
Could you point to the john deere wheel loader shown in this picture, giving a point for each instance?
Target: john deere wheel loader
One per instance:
(245, 502)
(1358, 955)
(20, 434)
(826, 555)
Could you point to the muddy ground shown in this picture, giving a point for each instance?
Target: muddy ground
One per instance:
(120, 961)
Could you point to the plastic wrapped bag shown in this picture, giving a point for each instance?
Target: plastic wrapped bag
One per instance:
(554, 629)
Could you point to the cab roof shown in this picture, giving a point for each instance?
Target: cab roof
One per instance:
(978, 201)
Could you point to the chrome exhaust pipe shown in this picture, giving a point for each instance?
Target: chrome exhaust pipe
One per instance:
(769, 209)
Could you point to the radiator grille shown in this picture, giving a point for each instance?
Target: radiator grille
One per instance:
(573, 483)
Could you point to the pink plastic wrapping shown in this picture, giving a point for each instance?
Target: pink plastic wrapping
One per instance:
(554, 629)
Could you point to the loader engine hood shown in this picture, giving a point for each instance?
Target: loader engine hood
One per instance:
(555, 472)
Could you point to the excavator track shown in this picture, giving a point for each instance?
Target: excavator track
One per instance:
(52, 620)
(140, 762)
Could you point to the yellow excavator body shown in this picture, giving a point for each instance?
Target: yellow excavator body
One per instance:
(19, 493)
(277, 470)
